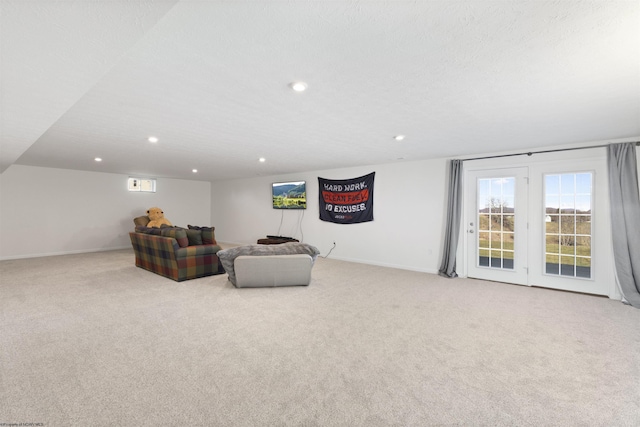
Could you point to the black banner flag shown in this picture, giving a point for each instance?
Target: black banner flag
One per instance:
(346, 201)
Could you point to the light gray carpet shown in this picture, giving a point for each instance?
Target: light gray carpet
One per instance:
(91, 340)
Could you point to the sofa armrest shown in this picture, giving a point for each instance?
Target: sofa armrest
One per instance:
(197, 250)
(140, 241)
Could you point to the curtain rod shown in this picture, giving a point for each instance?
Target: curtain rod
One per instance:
(531, 153)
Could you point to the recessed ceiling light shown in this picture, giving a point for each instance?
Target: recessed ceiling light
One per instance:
(153, 139)
(262, 160)
(194, 170)
(98, 159)
(398, 137)
(299, 86)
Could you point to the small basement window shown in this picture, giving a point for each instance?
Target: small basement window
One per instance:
(146, 185)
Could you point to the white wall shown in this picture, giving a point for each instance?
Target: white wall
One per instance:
(408, 227)
(409, 204)
(46, 211)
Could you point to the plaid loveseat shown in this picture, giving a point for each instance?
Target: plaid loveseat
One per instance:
(163, 255)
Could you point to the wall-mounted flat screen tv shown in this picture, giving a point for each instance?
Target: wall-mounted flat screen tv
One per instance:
(289, 195)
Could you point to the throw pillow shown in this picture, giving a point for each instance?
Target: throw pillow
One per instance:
(180, 234)
(208, 235)
(141, 221)
(194, 236)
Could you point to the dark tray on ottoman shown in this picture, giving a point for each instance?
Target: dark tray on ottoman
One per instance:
(275, 240)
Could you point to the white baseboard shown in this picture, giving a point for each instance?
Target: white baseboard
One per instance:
(46, 254)
(384, 264)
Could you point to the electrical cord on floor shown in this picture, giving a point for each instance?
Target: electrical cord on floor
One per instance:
(327, 255)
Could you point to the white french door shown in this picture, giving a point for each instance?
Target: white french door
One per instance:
(496, 225)
(540, 224)
(571, 229)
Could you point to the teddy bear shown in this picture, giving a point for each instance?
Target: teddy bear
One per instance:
(157, 218)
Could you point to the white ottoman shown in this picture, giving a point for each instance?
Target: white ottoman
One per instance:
(273, 270)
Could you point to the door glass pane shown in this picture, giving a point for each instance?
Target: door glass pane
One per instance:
(567, 219)
(568, 184)
(496, 240)
(496, 220)
(508, 223)
(567, 226)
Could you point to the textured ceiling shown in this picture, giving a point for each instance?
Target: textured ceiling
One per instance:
(84, 79)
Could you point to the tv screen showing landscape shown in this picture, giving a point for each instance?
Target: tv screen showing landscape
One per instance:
(289, 195)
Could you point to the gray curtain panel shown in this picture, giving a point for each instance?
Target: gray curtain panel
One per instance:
(454, 214)
(625, 218)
